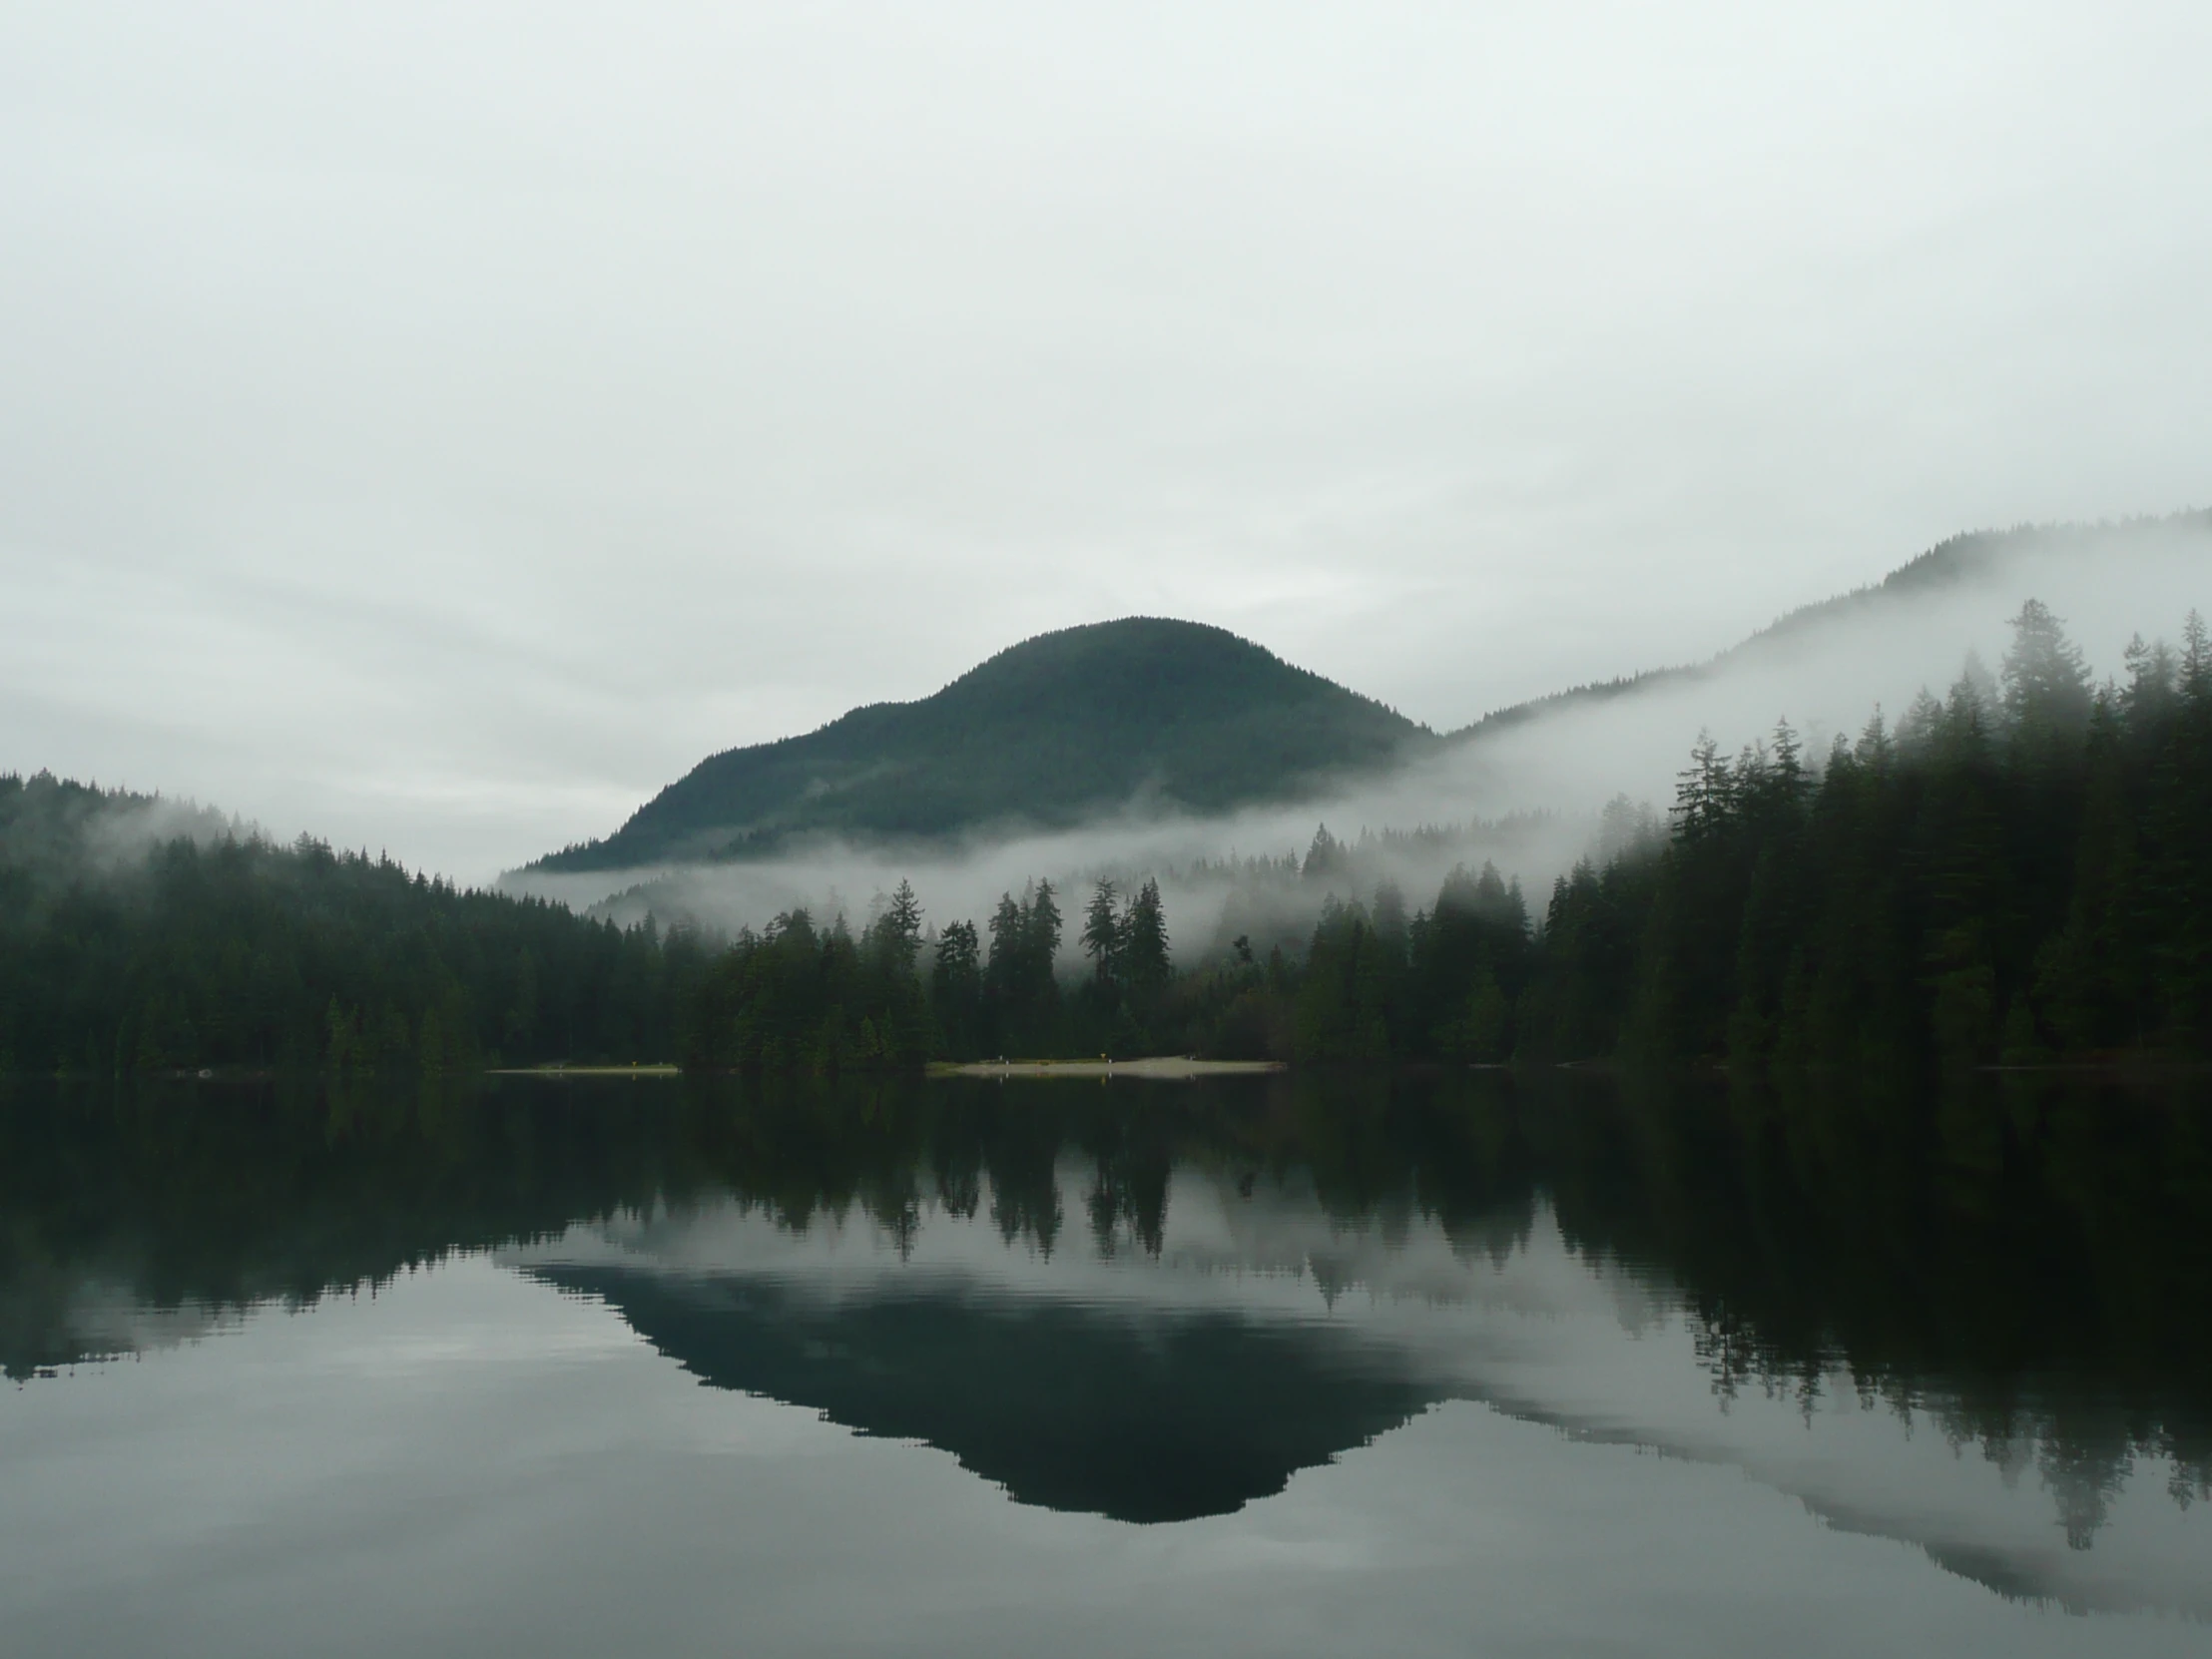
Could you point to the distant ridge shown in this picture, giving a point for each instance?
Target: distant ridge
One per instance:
(1045, 733)
(1071, 724)
(1961, 558)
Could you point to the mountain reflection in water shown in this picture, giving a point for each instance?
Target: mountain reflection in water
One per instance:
(1973, 1321)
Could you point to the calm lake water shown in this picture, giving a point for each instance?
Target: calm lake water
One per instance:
(1477, 1364)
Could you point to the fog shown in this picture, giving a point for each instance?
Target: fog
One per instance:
(436, 427)
(1528, 795)
(61, 835)
(1829, 674)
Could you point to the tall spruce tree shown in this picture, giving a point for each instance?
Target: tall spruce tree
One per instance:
(1144, 942)
(1102, 935)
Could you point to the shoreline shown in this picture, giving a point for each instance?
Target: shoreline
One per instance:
(1157, 1067)
(654, 1069)
(1168, 1066)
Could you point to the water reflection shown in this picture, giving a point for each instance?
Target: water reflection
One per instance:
(1972, 1322)
(1060, 1402)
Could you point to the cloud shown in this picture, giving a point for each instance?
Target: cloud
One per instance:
(438, 429)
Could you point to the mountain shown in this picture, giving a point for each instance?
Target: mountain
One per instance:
(1067, 727)
(1046, 733)
(1976, 556)
(143, 935)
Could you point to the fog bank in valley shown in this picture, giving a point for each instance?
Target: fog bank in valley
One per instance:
(1529, 790)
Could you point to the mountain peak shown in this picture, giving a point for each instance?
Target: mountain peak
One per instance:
(1060, 728)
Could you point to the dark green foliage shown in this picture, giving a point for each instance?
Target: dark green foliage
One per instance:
(1469, 964)
(1051, 731)
(801, 999)
(1144, 966)
(1441, 984)
(1021, 994)
(798, 999)
(1344, 995)
(1234, 1008)
(1102, 935)
(2010, 876)
(1585, 974)
(956, 990)
(126, 948)
(2019, 871)
(1117, 1010)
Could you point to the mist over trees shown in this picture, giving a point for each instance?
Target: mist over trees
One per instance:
(793, 998)
(2013, 871)
(228, 951)
(2018, 870)
(1051, 731)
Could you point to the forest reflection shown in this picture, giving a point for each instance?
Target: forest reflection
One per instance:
(2020, 1259)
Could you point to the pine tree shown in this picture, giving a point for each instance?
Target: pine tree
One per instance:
(956, 991)
(1004, 972)
(1325, 858)
(2047, 683)
(2196, 660)
(1044, 930)
(1701, 793)
(1102, 935)
(1144, 942)
(898, 931)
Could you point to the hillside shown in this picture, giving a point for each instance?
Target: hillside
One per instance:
(1068, 727)
(1971, 557)
(140, 936)
(1049, 733)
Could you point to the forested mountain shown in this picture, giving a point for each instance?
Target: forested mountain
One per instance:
(138, 936)
(2015, 871)
(1070, 725)
(1964, 559)
(1049, 733)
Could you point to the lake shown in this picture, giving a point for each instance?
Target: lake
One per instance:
(1550, 1364)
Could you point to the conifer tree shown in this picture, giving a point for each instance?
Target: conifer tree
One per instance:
(1144, 941)
(1102, 935)
(2047, 683)
(956, 991)
(898, 931)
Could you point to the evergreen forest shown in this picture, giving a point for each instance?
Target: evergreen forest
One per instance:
(125, 946)
(2015, 873)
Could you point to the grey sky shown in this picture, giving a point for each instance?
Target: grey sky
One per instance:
(439, 426)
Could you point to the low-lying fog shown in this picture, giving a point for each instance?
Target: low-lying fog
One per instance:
(1528, 795)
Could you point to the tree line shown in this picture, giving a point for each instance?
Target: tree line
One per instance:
(801, 997)
(2015, 871)
(2018, 870)
(220, 950)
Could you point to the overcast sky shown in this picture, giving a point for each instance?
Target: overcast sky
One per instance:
(441, 425)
